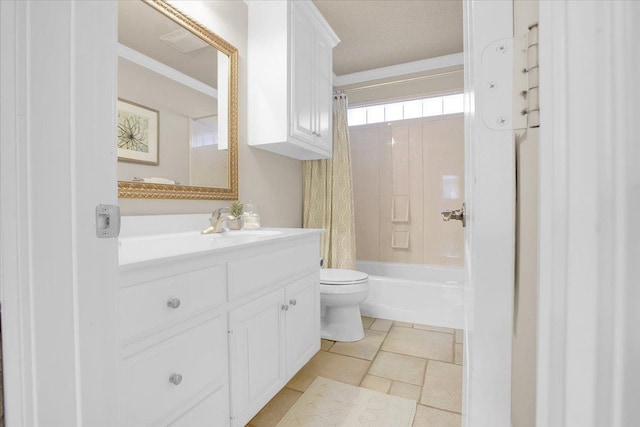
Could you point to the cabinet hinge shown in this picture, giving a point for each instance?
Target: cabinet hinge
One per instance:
(230, 331)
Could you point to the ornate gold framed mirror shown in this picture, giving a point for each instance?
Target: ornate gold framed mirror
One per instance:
(177, 106)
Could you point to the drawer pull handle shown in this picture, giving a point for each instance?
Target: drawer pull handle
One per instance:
(293, 302)
(284, 307)
(175, 379)
(173, 303)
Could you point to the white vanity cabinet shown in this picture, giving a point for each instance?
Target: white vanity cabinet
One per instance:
(271, 338)
(290, 79)
(209, 337)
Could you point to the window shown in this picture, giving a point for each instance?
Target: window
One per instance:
(427, 107)
(204, 132)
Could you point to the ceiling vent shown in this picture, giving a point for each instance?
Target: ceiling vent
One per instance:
(183, 40)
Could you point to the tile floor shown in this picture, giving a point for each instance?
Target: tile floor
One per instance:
(419, 362)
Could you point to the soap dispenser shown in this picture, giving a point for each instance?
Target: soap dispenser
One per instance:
(251, 216)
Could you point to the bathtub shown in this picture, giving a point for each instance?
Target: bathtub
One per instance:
(414, 293)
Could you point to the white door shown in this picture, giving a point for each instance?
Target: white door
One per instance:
(303, 316)
(588, 294)
(58, 162)
(256, 354)
(490, 204)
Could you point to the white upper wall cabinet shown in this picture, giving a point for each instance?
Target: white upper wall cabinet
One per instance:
(290, 79)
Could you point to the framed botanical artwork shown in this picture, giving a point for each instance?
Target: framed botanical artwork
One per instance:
(138, 132)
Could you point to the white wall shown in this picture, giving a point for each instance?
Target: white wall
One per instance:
(274, 182)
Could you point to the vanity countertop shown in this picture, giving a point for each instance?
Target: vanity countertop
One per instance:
(146, 249)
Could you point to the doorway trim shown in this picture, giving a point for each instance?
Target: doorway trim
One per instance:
(490, 198)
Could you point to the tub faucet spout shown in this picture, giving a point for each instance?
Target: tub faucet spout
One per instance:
(218, 217)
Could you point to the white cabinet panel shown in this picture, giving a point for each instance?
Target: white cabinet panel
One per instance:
(212, 411)
(302, 105)
(272, 338)
(324, 88)
(148, 395)
(250, 274)
(303, 322)
(145, 306)
(257, 354)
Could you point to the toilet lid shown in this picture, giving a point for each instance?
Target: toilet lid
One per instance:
(335, 276)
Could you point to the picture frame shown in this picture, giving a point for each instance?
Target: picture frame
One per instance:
(138, 133)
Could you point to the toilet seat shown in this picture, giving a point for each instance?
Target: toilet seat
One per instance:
(344, 289)
(341, 277)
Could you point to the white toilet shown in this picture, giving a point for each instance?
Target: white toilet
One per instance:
(341, 292)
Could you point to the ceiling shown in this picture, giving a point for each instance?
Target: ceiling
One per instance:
(379, 33)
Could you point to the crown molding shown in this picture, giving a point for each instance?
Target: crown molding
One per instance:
(431, 64)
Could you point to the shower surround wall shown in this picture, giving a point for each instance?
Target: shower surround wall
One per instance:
(404, 174)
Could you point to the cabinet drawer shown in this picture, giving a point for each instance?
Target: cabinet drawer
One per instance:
(146, 306)
(212, 411)
(249, 274)
(199, 355)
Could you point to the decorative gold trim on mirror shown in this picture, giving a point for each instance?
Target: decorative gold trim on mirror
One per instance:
(140, 190)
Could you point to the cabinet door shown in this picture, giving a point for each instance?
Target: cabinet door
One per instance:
(324, 94)
(303, 114)
(257, 354)
(303, 322)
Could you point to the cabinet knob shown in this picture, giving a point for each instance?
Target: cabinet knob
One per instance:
(284, 307)
(293, 302)
(175, 379)
(173, 303)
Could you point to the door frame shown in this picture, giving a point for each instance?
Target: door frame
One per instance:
(490, 202)
(58, 280)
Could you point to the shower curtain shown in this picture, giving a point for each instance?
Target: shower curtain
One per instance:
(328, 195)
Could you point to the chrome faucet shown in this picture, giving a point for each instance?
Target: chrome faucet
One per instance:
(218, 217)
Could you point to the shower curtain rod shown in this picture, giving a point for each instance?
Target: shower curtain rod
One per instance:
(430, 76)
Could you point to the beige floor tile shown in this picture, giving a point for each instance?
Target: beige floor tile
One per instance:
(419, 343)
(273, 412)
(376, 383)
(431, 417)
(336, 367)
(367, 321)
(325, 345)
(410, 391)
(399, 367)
(366, 348)
(434, 328)
(403, 324)
(459, 336)
(459, 354)
(443, 386)
(381, 325)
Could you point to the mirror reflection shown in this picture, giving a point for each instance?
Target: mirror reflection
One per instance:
(173, 102)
